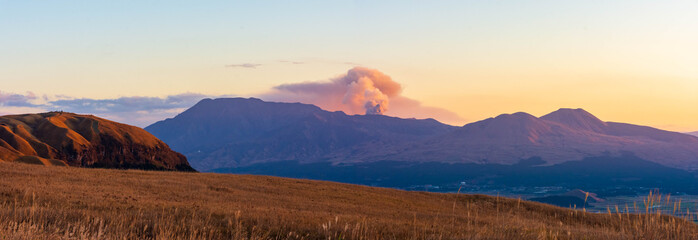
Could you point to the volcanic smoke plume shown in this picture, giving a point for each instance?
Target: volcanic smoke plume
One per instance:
(360, 91)
(363, 92)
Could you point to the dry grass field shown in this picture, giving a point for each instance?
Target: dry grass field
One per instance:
(48, 202)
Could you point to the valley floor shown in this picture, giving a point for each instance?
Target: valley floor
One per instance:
(46, 202)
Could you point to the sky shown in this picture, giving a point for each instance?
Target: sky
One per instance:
(462, 61)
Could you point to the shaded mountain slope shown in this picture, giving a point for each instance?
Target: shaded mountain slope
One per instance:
(236, 132)
(233, 133)
(564, 135)
(58, 138)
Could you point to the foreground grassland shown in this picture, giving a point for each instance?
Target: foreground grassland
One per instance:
(46, 202)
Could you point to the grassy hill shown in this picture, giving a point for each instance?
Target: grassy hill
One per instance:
(59, 138)
(48, 202)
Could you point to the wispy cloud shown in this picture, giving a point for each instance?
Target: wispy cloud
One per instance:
(136, 110)
(18, 100)
(291, 62)
(139, 111)
(255, 65)
(128, 104)
(244, 65)
(359, 91)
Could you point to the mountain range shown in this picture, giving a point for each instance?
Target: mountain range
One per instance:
(237, 132)
(240, 132)
(58, 138)
(558, 137)
(238, 135)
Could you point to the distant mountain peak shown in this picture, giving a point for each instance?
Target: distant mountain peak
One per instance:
(515, 128)
(238, 105)
(578, 119)
(518, 115)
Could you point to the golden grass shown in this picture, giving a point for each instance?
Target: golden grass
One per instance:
(45, 202)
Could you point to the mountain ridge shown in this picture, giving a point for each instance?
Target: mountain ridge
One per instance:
(306, 133)
(238, 132)
(563, 135)
(576, 118)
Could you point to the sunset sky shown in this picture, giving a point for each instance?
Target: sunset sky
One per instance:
(140, 61)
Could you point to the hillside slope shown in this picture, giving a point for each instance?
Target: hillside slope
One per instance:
(45, 202)
(58, 138)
